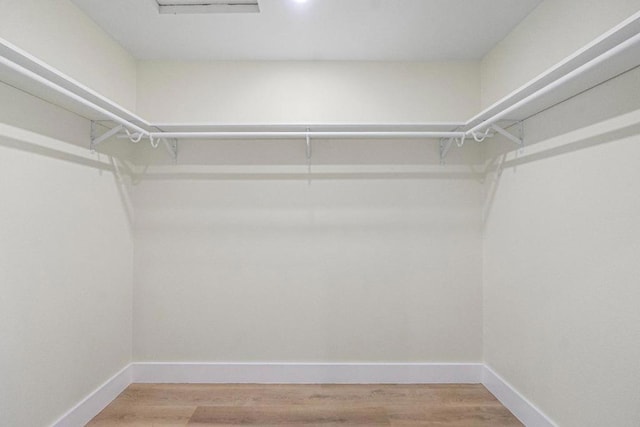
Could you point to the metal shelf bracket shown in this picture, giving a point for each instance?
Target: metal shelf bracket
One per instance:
(172, 147)
(97, 139)
(445, 146)
(518, 140)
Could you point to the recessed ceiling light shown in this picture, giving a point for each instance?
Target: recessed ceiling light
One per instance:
(207, 6)
(300, 1)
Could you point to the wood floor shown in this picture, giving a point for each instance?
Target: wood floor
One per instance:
(441, 405)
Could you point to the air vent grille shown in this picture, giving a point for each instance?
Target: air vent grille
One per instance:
(175, 7)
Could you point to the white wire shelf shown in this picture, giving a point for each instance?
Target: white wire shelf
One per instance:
(611, 54)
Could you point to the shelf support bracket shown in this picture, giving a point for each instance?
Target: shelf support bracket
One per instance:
(172, 147)
(519, 141)
(308, 146)
(445, 146)
(96, 140)
(308, 154)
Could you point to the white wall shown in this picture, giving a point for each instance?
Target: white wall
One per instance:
(65, 263)
(354, 270)
(237, 258)
(61, 35)
(553, 31)
(232, 268)
(561, 245)
(290, 92)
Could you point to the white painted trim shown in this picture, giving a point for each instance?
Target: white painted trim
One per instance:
(95, 402)
(524, 410)
(308, 373)
(305, 373)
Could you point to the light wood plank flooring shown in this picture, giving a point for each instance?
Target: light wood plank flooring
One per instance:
(441, 405)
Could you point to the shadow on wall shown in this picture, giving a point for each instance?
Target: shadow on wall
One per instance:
(16, 138)
(328, 160)
(292, 173)
(420, 161)
(612, 130)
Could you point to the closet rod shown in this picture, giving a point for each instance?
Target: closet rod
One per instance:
(49, 84)
(583, 69)
(302, 135)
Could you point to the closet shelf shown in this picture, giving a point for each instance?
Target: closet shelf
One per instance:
(611, 54)
(303, 127)
(29, 74)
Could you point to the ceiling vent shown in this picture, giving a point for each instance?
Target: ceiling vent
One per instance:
(175, 7)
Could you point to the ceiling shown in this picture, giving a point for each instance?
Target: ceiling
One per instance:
(373, 30)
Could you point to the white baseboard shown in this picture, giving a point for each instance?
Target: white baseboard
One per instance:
(524, 410)
(305, 373)
(308, 373)
(95, 402)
